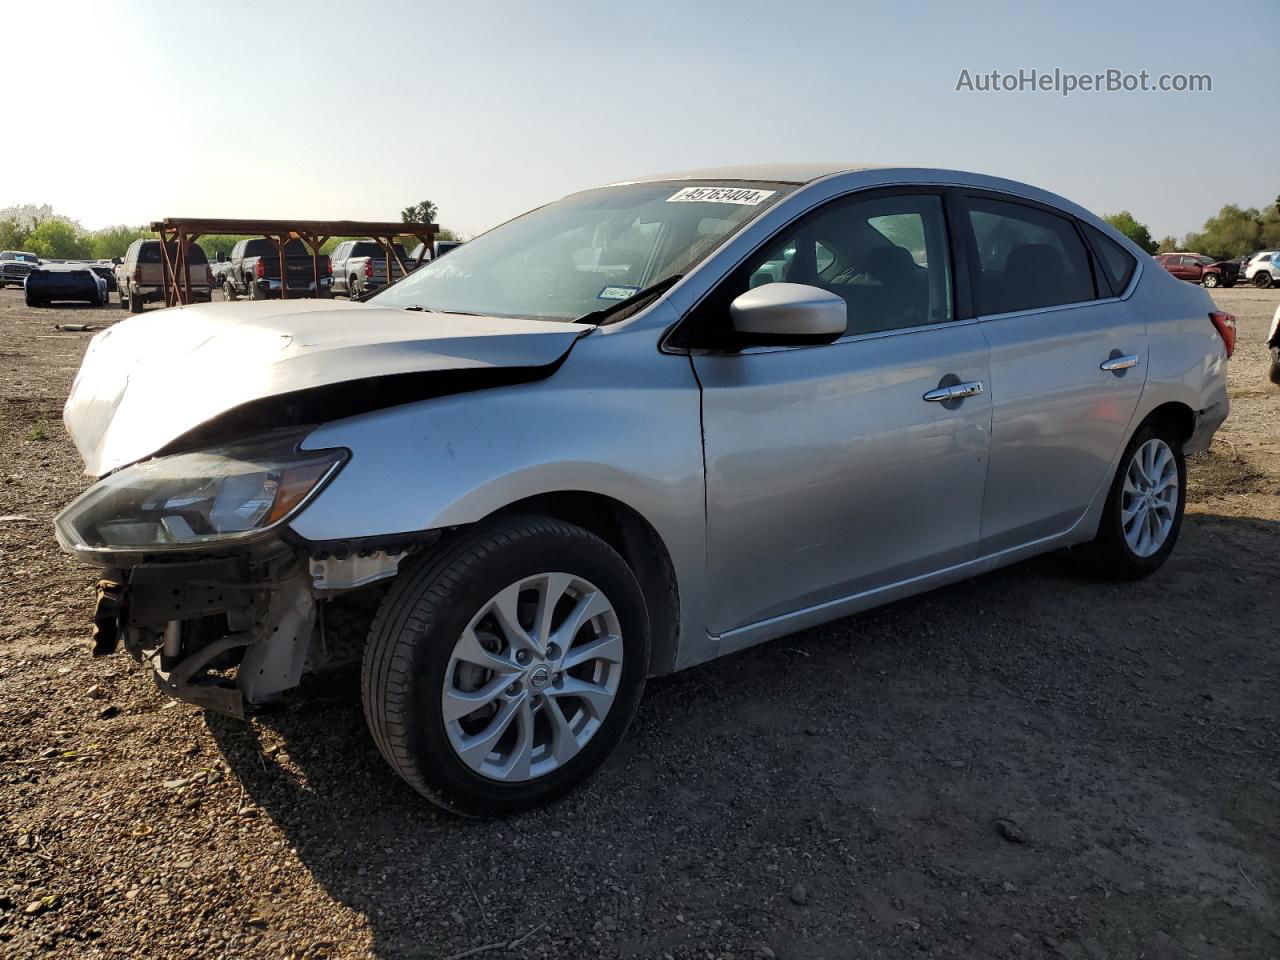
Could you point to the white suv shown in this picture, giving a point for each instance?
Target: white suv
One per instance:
(1264, 269)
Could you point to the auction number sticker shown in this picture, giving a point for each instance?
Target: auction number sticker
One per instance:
(743, 196)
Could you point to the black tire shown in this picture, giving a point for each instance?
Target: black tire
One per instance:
(1274, 373)
(229, 290)
(352, 290)
(1211, 280)
(1262, 279)
(412, 639)
(1109, 553)
(135, 301)
(251, 290)
(124, 299)
(34, 301)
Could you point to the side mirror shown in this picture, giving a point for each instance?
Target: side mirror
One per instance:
(789, 313)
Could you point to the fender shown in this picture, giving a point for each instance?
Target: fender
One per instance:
(590, 427)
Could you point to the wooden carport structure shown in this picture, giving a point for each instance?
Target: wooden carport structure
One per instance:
(178, 233)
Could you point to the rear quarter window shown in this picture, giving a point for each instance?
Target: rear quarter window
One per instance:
(1118, 264)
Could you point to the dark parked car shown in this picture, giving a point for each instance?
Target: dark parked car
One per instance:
(107, 271)
(65, 281)
(1197, 268)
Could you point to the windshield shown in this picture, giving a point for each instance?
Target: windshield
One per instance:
(583, 253)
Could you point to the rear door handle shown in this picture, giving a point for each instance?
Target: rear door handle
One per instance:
(957, 392)
(1121, 363)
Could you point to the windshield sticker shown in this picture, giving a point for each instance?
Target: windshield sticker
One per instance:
(739, 195)
(617, 293)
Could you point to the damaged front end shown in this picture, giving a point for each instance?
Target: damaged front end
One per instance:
(202, 580)
(225, 633)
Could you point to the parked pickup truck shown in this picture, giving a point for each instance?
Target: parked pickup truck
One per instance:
(15, 265)
(140, 275)
(360, 267)
(254, 271)
(422, 253)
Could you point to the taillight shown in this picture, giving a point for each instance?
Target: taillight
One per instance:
(368, 267)
(1226, 326)
(137, 274)
(208, 275)
(259, 270)
(328, 265)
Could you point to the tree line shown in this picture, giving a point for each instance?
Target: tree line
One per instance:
(1233, 232)
(37, 229)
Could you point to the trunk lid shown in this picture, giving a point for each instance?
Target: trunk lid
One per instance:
(149, 380)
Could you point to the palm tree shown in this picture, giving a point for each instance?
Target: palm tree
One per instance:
(424, 212)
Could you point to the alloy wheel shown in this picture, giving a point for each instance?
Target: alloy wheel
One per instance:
(532, 677)
(1149, 501)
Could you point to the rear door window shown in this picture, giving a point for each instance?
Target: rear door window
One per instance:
(1028, 258)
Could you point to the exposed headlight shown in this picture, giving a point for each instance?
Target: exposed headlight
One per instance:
(210, 498)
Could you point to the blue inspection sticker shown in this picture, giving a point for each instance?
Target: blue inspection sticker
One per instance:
(617, 293)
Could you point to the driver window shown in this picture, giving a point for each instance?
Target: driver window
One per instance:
(887, 257)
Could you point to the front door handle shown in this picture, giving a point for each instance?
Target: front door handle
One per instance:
(956, 392)
(1120, 363)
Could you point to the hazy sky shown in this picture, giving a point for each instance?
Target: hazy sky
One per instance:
(140, 110)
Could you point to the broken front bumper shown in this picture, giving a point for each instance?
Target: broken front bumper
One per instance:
(219, 633)
(227, 633)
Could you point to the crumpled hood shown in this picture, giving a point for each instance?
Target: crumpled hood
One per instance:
(153, 378)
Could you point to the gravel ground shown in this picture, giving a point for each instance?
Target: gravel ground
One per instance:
(1029, 764)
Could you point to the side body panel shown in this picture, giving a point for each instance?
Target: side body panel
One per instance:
(828, 473)
(1058, 420)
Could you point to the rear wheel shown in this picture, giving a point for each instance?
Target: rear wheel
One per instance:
(352, 290)
(1274, 373)
(34, 301)
(1262, 279)
(251, 290)
(229, 289)
(1211, 280)
(124, 299)
(502, 671)
(135, 301)
(1143, 514)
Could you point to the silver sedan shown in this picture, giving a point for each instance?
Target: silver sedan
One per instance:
(636, 429)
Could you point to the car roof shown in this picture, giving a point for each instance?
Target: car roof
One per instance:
(775, 172)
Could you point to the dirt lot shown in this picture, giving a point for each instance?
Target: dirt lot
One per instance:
(1030, 764)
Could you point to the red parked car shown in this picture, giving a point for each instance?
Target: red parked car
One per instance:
(1197, 268)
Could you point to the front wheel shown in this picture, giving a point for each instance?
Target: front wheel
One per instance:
(1211, 280)
(1143, 513)
(503, 670)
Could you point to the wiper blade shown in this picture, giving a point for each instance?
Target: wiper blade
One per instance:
(600, 316)
(456, 313)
